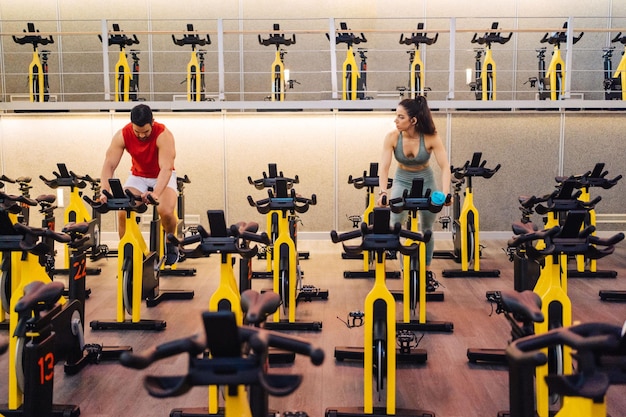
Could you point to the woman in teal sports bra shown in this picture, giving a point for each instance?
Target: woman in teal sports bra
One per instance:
(412, 144)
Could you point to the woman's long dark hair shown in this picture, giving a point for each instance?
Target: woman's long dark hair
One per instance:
(419, 109)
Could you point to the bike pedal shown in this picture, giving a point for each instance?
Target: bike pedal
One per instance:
(295, 414)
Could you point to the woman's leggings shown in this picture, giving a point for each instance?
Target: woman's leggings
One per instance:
(402, 181)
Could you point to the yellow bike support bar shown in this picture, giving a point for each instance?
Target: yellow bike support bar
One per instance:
(582, 407)
(580, 259)
(620, 72)
(122, 69)
(236, 403)
(16, 268)
(226, 291)
(557, 65)
(278, 72)
(468, 207)
(284, 238)
(269, 254)
(489, 66)
(36, 68)
(74, 212)
(379, 292)
(417, 67)
(406, 272)
(193, 67)
(134, 241)
(556, 273)
(350, 66)
(371, 204)
(31, 271)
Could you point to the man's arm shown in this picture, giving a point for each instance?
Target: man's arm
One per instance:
(111, 161)
(167, 155)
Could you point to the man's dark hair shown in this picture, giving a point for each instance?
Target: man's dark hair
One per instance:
(141, 115)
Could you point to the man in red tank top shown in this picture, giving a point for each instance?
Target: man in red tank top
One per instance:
(152, 151)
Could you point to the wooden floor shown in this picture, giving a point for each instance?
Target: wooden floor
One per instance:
(446, 385)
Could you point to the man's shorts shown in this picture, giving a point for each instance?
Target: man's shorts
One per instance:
(142, 184)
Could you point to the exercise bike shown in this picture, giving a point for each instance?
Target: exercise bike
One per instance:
(369, 181)
(599, 354)
(195, 67)
(596, 178)
(268, 181)
(45, 327)
(415, 284)
(287, 275)
(351, 83)
(226, 365)
(137, 267)
(484, 85)
(521, 310)
(38, 88)
(379, 354)
(127, 80)
(24, 185)
(76, 212)
(613, 81)
(227, 242)
(465, 224)
(571, 239)
(278, 67)
(416, 65)
(10, 207)
(551, 83)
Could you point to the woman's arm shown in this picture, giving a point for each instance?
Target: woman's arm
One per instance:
(385, 163)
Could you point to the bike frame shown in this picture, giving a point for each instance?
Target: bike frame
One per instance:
(379, 298)
(488, 76)
(350, 77)
(469, 214)
(278, 76)
(122, 76)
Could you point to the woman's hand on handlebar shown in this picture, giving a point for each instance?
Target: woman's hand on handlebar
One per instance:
(382, 200)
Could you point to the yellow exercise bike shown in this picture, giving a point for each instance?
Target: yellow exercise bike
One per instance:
(38, 88)
(417, 72)
(127, 80)
(278, 67)
(195, 66)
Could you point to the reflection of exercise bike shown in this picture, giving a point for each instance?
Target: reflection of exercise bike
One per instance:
(237, 358)
(351, 84)
(278, 66)
(369, 181)
(415, 285)
(380, 353)
(127, 80)
(600, 363)
(137, 267)
(195, 67)
(484, 85)
(416, 77)
(287, 275)
(551, 83)
(614, 82)
(465, 224)
(38, 89)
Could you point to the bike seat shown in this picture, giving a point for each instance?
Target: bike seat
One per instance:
(257, 307)
(523, 305)
(39, 296)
